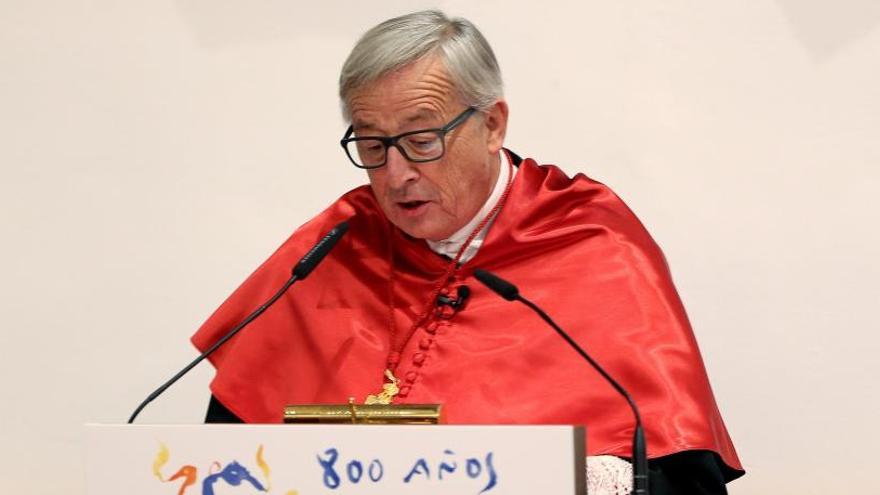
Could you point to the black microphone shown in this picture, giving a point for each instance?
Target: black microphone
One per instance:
(317, 253)
(639, 448)
(299, 272)
(456, 303)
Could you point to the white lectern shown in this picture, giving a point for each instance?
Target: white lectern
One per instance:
(337, 459)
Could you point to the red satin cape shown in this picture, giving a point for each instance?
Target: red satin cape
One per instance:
(570, 245)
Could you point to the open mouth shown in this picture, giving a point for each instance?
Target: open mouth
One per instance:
(411, 205)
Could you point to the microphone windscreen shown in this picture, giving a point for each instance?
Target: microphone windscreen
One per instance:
(500, 286)
(319, 251)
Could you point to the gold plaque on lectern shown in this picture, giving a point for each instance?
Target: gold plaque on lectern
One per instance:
(415, 414)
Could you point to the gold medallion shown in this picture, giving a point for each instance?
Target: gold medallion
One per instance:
(389, 390)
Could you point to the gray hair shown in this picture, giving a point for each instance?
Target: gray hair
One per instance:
(403, 40)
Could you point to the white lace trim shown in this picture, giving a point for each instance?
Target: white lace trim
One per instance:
(608, 475)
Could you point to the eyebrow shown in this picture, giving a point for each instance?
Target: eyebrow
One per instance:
(361, 125)
(423, 114)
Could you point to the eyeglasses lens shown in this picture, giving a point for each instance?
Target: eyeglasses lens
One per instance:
(421, 147)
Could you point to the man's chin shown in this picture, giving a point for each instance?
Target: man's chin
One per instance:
(421, 229)
(420, 223)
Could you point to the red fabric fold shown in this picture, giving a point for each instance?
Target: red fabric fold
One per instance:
(570, 245)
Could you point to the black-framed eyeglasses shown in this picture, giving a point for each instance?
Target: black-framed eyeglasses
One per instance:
(425, 145)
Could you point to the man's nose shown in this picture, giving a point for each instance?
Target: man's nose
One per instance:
(399, 170)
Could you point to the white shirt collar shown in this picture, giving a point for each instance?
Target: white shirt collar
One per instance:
(451, 245)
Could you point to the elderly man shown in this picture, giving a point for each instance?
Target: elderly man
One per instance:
(396, 300)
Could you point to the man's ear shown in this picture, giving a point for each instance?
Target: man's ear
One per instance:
(495, 118)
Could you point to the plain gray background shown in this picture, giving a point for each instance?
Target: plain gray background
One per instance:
(152, 154)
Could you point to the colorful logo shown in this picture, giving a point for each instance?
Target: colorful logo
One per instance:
(234, 473)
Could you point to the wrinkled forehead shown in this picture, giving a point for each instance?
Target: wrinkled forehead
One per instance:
(421, 92)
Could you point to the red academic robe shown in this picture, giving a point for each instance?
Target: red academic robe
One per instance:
(570, 245)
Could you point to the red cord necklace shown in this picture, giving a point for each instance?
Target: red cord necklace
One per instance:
(390, 387)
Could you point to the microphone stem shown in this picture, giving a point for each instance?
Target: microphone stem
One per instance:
(639, 450)
(213, 348)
